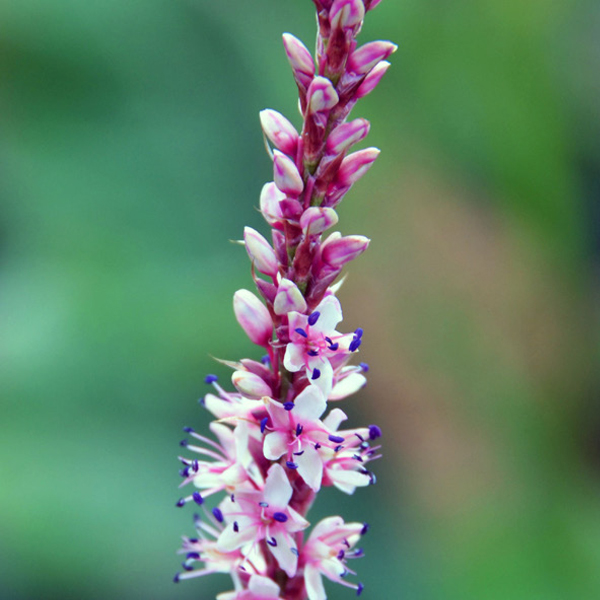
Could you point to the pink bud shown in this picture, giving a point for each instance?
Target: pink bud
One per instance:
(286, 175)
(250, 385)
(372, 79)
(280, 131)
(316, 220)
(355, 165)
(346, 13)
(346, 135)
(363, 59)
(253, 316)
(288, 298)
(321, 95)
(300, 59)
(336, 251)
(371, 4)
(270, 197)
(260, 252)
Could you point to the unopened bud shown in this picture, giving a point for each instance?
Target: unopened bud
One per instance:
(316, 220)
(280, 131)
(260, 252)
(363, 59)
(346, 135)
(286, 175)
(355, 165)
(250, 385)
(336, 251)
(253, 316)
(372, 79)
(346, 13)
(270, 197)
(300, 59)
(288, 298)
(321, 95)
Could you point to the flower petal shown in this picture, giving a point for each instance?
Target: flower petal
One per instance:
(310, 404)
(310, 467)
(278, 490)
(275, 445)
(294, 357)
(330, 314)
(314, 583)
(287, 559)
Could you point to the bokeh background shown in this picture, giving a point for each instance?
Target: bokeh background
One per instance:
(130, 153)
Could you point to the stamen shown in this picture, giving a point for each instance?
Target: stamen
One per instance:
(333, 347)
(211, 379)
(280, 517)
(236, 527)
(364, 529)
(313, 318)
(188, 430)
(198, 499)
(193, 555)
(316, 374)
(288, 405)
(359, 589)
(264, 504)
(217, 514)
(295, 551)
(183, 443)
(299, 453)
(176, 578)
(272, 542)
(317, 445)
(338, 448)
(299, 429)
(374, 432)
(263, 424)
(232, 497)
(313, 353)
(301, 332)
(354, 344)
(358, 332)
(341, 555)
(291, 465)
(364, 367)
(187, 567)
(265, 360)
(180, 502)
(336, 438)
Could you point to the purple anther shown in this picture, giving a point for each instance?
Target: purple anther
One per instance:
(360, 437)
(341, 555)
(364, 529)
(202, 401)
(328, 340)
(193, 556)
(288, 405)
(263, 424)
(198, 499)
(291, 465)
(295, 551)
(315, 374)
(298, 453)
(232, 497)
(359, 589)
(187, 567)
(264, 504)
(357, 457)
(374, 432)
(358, 553)
(176, 578)
(183, 472)
(338, 448)
(183, 443)
(373, 478)
(358, 332)
(313, 353)
(313, 318)
(236, 527)
(211, 379)
(317, 445)
(188, 429)
(301, 332)
(265, 360)
(272, 542)
(193, 540)
(354, 344)
(280, 517)
(336, 438)
(216, 511)
(299, 429)
(364, 367)
(195, 466)
(334, 346)
(180, 502)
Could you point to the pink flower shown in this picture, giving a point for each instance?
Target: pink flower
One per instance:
(264, 515)
(314, 341)
(259, 588)
(325, 553)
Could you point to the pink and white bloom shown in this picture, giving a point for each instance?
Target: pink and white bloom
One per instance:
(329, 545)
(264, 515)
(314, 340)
(259, 588)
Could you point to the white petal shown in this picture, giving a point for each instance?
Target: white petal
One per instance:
(326, 526)
(263, 586)
(314, 583)
(287, 559)
(310, 404)
(279, 416)
(333, 420)
(296, 521)
(330, 314)
(347, 386)
(310, 467)
(225, 436)
(294, 357)
(348, 481)
(275, 445)
(278, 490)
(230, 540)
(325, 380)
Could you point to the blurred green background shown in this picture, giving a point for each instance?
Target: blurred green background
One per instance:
(130, 153)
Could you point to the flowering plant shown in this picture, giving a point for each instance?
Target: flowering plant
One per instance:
(273, 448)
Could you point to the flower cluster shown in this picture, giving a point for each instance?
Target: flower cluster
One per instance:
(276, 442)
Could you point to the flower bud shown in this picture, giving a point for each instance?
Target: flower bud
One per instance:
(355, 165)
(253, 316)
(286, 175)
(288, 298)
(260, 252)
(346, 13)
(321, 95)
(363, 59)
(336, 250)
(250, 385)
(372, 79)
(316, 220)
(270, 197)
(346, 135)
(300, 59)
(280, 131)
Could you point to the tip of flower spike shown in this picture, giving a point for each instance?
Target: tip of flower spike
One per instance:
(211, 379)
(374, 432)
